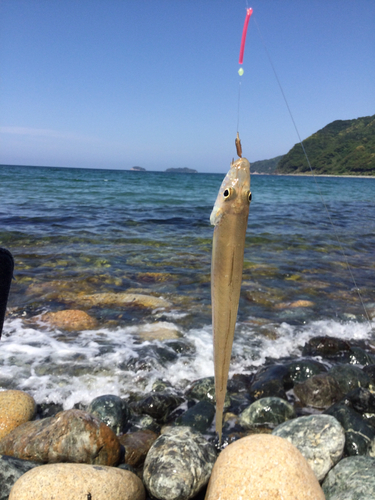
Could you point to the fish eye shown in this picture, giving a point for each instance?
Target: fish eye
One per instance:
(250, 196)
(228, 193)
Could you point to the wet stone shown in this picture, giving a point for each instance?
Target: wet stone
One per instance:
(361, 400)
(370, 372)
(326, 347)
(319, 391)
(161, 385)
(199, 417)
(178, 465)
(359, 356)
(143, 422)
(320, 439)
(111, 410)
(359, 435)
(271, 381)
(159, 405)
(349, 377)
(204, 390)
(45, 410)
(352, 478)
(302, 369)
(137, 445)
(266, 411)
(11, 469)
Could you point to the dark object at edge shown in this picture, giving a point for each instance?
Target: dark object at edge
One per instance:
(6, 275)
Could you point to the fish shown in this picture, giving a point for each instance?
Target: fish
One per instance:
(229, 216)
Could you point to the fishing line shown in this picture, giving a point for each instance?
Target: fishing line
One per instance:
(315, 180)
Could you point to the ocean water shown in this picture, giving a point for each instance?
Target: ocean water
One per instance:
(79, 232)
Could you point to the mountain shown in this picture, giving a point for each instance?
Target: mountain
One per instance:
(341, 147)
(265, 166)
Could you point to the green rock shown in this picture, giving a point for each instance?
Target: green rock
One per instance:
(271, 411)
(352, 478)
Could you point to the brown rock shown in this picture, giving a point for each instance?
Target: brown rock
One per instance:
(70, 319)
(78, 481)
(70, 436)
(261, 467)
(137, 445)
(16, 408)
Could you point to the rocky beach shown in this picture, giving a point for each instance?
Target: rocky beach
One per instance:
(163, 445)
(106, 368)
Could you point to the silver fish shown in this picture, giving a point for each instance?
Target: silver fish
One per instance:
(229, 216)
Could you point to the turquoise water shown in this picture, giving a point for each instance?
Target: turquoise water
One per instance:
(76, 232)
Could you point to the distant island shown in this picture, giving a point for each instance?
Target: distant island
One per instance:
(184, 170)
(138, 169)
(343, 147)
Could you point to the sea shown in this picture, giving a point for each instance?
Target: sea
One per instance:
(309, 270)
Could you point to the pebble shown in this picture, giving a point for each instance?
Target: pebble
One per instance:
(12, 469)
(71, 320)
(16, 408)
(79, 481)
(319, 391)
(320, 439)
(359, 435)
(137, 445)
(178, 464)
(199, 417)
(158, 405)
(271, 380)
(269, 411)
(349, 377)
(262, 466)
(112, 410)
(69, 436)
(352, 478)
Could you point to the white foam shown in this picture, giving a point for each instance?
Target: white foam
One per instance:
(74, 368)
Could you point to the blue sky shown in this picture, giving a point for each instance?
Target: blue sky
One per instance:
(118, 83)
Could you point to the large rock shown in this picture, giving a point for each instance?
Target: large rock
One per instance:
(112, 410)
(262, 466)
(178, 464)
(352, 478)
(68, 481)
(16, 408)
(11, 469)
(71, 320)
(69, 436)
(320, 439)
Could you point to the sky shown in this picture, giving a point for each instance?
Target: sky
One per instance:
(119, 83)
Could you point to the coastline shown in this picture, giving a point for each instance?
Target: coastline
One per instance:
(318, 175)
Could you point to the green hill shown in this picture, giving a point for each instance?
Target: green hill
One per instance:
(265, 166)
(342, 147)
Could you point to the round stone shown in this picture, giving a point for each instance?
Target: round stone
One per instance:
(320, 439)
(65, 481)
(262, 466)
(16, 408)
(271, 411)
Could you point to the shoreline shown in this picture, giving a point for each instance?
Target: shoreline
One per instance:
(317, 175)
